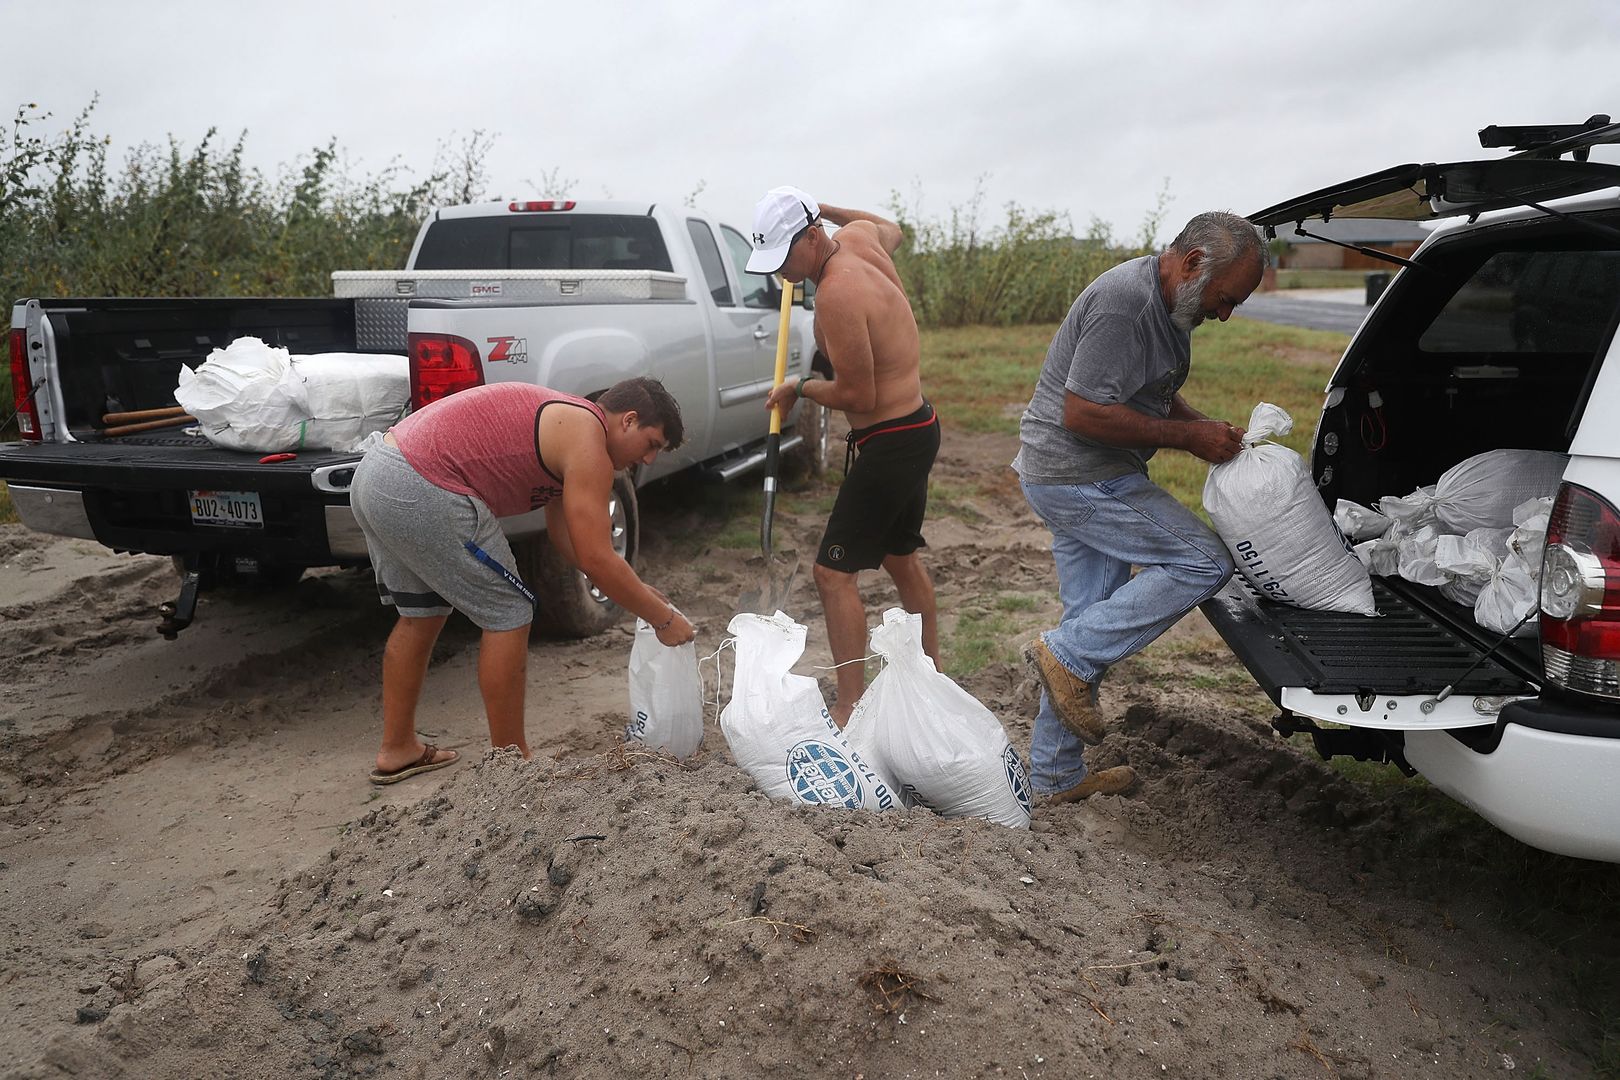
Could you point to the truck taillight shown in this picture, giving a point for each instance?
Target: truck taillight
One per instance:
(542, 205)
(1580, 594)
(22, 392)
(442, 364)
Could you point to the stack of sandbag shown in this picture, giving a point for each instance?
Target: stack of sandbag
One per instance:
(1267, 511)
(252, 396)
(946, 750)
(1465, 535)
(779, 729)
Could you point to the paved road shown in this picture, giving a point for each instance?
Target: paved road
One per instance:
(1339, 310)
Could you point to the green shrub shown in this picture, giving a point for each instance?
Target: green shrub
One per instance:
(1028, 269)
(177, 221)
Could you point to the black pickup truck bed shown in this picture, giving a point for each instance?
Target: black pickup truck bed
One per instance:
(1420, 644)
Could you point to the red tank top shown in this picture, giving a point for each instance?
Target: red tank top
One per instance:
(484, 442)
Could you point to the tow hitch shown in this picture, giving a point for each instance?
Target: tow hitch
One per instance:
(178, 613)
(1362, 744)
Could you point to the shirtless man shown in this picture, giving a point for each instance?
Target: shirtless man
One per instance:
(865, 328)
(429, 502)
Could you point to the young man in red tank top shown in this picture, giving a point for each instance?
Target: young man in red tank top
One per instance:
(429, 502)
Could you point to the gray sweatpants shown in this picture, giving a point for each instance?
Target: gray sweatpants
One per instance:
(416, 533)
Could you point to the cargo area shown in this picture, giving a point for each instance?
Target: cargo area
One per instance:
(117, 355)
(1492, 342)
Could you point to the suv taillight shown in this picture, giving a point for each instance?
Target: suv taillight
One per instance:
(540, 206)
(442, 364)
(22, 393)
(1580, 594)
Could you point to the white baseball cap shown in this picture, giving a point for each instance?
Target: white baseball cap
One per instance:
(778, 218)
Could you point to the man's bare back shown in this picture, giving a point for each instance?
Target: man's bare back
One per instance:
(864, 325)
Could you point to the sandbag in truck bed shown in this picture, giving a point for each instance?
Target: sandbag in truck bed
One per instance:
(256, 397)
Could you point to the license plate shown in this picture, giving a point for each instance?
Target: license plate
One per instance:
(233, 509)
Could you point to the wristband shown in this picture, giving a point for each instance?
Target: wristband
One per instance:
(665, 625)
(798, 387)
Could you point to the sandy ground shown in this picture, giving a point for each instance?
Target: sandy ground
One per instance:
(197, 880)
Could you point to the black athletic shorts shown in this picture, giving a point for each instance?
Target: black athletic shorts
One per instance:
(879, 511)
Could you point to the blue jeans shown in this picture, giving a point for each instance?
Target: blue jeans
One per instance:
(1099, 531)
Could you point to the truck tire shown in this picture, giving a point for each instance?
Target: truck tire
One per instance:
(570, 605)
(809, 458)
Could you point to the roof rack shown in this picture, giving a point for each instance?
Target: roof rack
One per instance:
(1552, 140)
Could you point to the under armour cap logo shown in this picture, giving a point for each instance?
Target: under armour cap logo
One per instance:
(759, 239)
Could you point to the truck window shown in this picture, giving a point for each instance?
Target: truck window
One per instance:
(756, 293)
(556, 241)
(714, 271)
(1530, 302)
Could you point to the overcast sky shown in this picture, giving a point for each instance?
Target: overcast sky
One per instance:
(1084, 108)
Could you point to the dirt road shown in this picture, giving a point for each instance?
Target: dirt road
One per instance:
(197, 880)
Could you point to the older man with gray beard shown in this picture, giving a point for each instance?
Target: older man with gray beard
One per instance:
(1109, 395)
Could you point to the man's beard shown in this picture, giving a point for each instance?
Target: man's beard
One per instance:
(1187, 312)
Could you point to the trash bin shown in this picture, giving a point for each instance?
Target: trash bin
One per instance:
(1377, 282)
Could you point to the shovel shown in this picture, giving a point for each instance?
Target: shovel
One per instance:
(778, 571)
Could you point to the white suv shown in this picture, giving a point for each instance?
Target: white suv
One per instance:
(1499, 332)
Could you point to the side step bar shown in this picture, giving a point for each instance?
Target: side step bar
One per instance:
(732, 468)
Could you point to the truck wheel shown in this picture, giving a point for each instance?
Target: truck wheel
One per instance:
(570, 605)
(809, 458)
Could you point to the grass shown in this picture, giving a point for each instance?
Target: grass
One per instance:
(7, 511)
(980, 638)
(980, 379)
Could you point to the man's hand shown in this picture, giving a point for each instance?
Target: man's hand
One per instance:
(1215, 441)
(783, 396)
(678, 632)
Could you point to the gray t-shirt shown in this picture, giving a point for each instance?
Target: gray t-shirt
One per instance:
(1117, 344)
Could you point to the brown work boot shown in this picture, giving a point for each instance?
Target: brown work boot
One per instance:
(1070, 694)
(1102, 782)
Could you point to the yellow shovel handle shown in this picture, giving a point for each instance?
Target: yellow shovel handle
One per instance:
(781, 352)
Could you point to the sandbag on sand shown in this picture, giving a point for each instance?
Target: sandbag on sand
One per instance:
(779, 729)
(945, 749)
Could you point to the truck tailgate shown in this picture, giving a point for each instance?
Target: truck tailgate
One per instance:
(172, 494)
(1375, 672)
(156, 461)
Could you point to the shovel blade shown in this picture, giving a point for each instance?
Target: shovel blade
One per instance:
(778, 573)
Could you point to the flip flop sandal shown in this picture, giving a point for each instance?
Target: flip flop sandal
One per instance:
(423, 764)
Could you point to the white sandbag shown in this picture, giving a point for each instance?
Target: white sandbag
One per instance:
(1510, 595)
(1415, 557)
(1382, 555)
(1358, 522)
(252, 396)
(666, 695)
(1529, 539)
(347, 396)
(242, 399)
(945, 749)
(1411, 512)
(1482, 491)
(1469, 561)
(1268, 512)
(779, 729)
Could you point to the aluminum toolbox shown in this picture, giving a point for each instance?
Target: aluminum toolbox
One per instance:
(554, 286)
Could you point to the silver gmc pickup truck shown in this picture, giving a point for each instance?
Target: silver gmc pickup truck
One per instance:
(571, 295)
